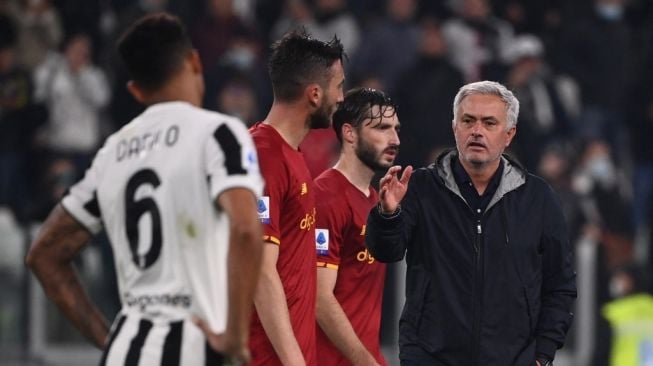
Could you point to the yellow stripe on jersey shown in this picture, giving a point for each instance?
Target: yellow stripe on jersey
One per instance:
(271, 239)
(327, 265)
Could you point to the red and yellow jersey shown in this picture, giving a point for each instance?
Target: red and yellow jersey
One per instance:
(340, 243)
(287, 212)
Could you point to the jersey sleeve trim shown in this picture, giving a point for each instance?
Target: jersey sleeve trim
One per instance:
(76, 210)
(242, 182)
(327, 265)
(271, 239)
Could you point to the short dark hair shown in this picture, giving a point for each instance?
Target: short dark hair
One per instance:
(357, 107)
(298, 60)
(153, 49)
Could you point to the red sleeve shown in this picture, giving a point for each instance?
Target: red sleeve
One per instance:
(332, 218)
(273, 170)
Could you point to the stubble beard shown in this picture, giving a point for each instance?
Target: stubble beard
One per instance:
(371, 157)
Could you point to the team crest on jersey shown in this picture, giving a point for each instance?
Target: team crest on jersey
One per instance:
(322, 241)
(263, 208)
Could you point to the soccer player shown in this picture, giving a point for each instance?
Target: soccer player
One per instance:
(349, 280)
(176, 191)
(307, 80)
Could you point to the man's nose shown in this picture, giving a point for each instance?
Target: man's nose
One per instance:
(394, 138)
(476, 129)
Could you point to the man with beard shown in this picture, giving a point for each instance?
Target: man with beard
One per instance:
(490, 277)
(307, 80)
(349, 279)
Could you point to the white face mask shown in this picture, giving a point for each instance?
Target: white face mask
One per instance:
(240, 57)
(602, 170)
(610, 12)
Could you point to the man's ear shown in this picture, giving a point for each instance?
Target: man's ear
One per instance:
(512, 131)
(136, 91)
(195, 62)
(313, 93)
(348, 133)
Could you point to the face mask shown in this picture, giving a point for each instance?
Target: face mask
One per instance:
(241, 58)
(601, 169)
(610, 12)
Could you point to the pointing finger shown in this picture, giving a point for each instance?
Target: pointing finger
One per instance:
(405, 176)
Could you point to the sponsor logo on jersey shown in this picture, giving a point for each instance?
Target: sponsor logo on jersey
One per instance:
(365, 256)
(263, 208)
(322, 241)
(363, 230)
(308, 221)
(145, 301)
(304, 189)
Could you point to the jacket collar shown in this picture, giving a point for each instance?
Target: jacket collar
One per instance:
(514, 175)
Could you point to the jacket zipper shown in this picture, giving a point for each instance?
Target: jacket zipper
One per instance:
(476, 294)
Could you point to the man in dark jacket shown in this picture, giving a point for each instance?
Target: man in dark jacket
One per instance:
(490, 278)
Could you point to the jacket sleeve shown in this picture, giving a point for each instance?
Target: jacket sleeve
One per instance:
(387, 237)
(558, 281)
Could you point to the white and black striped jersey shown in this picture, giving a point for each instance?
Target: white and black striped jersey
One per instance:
(153, 187)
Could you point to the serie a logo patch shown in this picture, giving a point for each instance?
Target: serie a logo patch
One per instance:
(322, 241)
(263, 208)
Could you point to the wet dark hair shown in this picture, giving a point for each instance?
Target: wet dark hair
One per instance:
(357, 107)
(298, 60)
(153, 49)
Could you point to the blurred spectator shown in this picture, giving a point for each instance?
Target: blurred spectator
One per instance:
(323, 20)
(17, 122)
(333, 17)
(424, 96)
(241, 69)
(39, 31)
(625, 334)
(389, 46)
(555, 166)
(547, 102)
(598, 56)
(75, 91)
(295, 14)
(598, 180)
(267, 14)
(237, 97)
(215, 31)
(81, 16)
(477, 40)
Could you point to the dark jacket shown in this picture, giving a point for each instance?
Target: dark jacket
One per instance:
(494, 292)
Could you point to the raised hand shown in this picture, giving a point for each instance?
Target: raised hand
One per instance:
(392, 189)
(236, 350)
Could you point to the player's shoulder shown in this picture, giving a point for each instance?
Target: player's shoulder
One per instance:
(330, 184)
(212, 120)
(268, 141)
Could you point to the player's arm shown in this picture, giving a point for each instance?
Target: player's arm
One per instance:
(50, 258)
(244, 264)
(272, 308)
(334, 322)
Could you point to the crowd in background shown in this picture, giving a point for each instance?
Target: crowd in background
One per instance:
(580, 69)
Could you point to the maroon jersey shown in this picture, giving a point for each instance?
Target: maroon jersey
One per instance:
(287, 211)
(340, 243)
